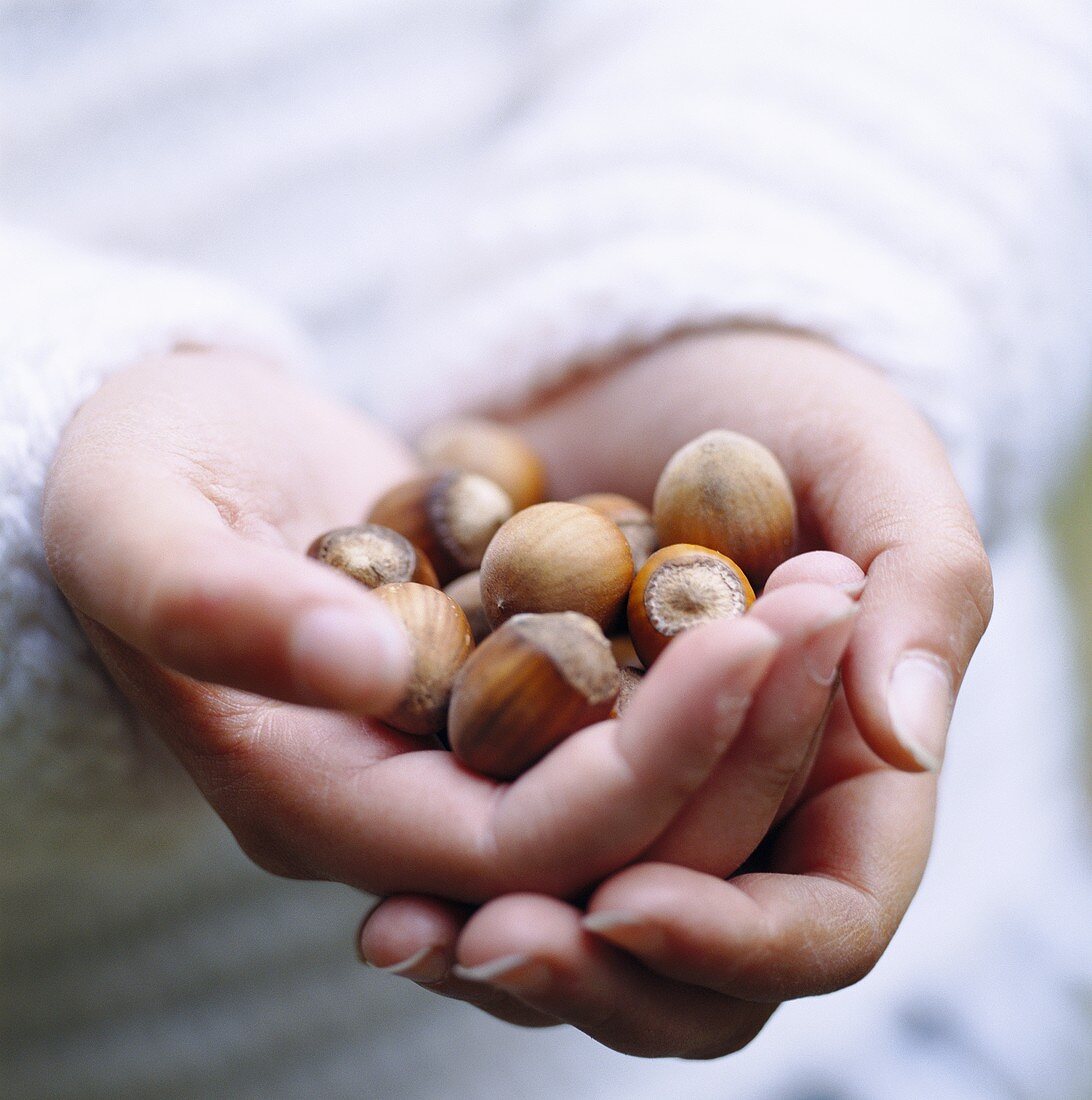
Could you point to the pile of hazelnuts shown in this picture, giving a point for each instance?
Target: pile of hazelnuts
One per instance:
(530, 619)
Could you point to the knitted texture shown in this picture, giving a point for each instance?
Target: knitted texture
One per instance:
(909, 181)
(460, 203)
(76, 768)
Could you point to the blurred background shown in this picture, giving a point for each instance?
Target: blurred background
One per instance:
(293, 148)
(1073, 531)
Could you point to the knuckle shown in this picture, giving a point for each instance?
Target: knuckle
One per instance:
(245, 806)
(219, 732)
(181, 606)
(644, 1042)
(231, 761)
(731, 1039)
(265, 840)
(866, 937)
(265, 846)
(646, 888)
(775, 773)
(724, 1029)
(62, 525)
(970, 571)
(962, 576)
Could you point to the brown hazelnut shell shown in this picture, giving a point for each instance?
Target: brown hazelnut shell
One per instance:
(633, 520)
(440, 642)
(466, 591)
(450, 516)
(490, 449)
(728, 492)
(629, 679)
(530, 684)
(679, 587)
(557, 557)
(625, 655)
(373, 555)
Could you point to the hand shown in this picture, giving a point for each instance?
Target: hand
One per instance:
(872, 481)
(177, 512)
(667, 959)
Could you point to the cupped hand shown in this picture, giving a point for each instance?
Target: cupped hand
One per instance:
(177, 512)
(667, 961)
(673, 958)
(872, 481)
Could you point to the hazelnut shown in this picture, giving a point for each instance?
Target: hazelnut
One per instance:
(466, 591)
(629, 680)
(529, 685)
(557, 557)
(728, 492)
(634, 521)
(679, 587)
(440, 642)
(450, 516)
(373, 555)
(490, 449)
(625, 656)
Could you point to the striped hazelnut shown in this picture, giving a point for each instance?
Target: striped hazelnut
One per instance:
(728, 492)
(440, 642)
(557, 557)
(530, 684)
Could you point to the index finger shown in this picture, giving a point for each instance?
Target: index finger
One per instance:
(327, 795)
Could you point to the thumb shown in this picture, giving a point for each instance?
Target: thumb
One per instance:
(884, 494)
(158, 568)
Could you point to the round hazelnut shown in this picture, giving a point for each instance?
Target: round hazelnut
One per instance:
(679, 587)
(490, 449)
(466, 591)
(557, 557)
(373, 555)
(450, 516)
(728, 492)
(533, 682)
(440, 642)
(634, 521)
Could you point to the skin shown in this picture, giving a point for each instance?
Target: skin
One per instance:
(176, 527)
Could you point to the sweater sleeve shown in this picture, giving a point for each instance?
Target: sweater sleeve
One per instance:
(909, 181)
(74, 765)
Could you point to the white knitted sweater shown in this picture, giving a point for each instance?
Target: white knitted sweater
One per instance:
(456, 202)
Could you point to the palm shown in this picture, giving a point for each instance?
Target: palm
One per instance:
(271, 465)
(179, 507)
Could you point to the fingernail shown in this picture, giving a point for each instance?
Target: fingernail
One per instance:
(824, 649)
(852, 588)
(630, 931)
(425, 966)
(346, 655)
(519, 974)
(919, 703)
